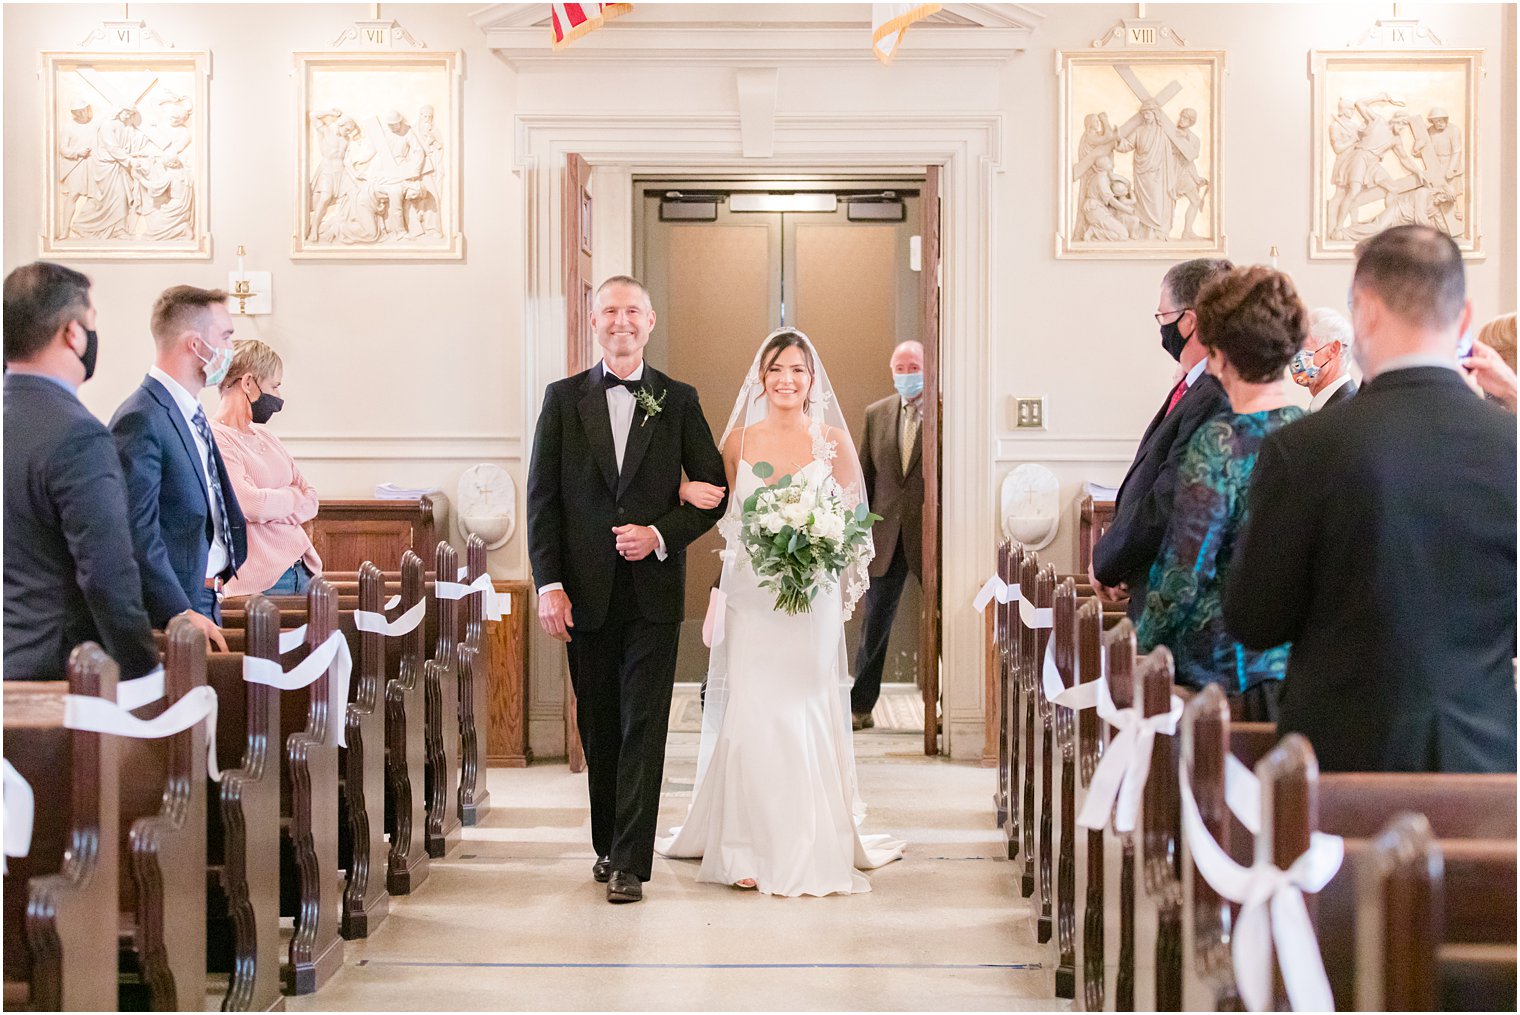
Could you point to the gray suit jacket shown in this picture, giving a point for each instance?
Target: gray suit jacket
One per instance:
(896, 496)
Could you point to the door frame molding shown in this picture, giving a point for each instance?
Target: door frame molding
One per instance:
(969, 149)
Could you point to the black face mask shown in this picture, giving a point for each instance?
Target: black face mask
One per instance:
(91, 350)
(1172, 339)
(265, 406)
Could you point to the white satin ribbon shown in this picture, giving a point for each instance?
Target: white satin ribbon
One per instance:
(497, 606)
(1272, 908)
(97, 715)
(1036, 617)
(292, 639)
(375, 623)
(1126, 764)
(392, 602)
(306, 672)
(19, 808)
(993, 588)
(134, 694)
(464, 569)
(1077, 697)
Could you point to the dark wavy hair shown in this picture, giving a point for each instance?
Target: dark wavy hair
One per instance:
(1254, 317)
(779, 343)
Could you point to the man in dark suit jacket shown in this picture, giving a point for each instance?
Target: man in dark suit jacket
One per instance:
(1122, 559)
(1380, 540)
(607, 536)
(1323, 365)
(892, 462)
(186, 523)
(69, 572)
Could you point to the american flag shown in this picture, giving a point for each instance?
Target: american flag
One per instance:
(571, 21)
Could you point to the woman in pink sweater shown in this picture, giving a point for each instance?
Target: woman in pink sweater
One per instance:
(275, 497)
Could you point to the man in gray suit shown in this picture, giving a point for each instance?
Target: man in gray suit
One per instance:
(892, 462)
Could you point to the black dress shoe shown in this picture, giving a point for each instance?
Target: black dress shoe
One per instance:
(601, 870)
(624, 887)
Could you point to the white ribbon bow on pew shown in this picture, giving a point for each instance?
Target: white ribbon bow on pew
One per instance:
(1077, 697)
(995, 588)
(97, 715)
(497, 606)
(306, 672)
(1126, 762)
(19, 808)
(375, 623)
(1272, 909)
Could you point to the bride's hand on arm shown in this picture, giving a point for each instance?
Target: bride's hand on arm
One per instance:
(701, 495)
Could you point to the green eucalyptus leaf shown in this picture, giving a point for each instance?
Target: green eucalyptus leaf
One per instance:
(763, 470)
(784, 482)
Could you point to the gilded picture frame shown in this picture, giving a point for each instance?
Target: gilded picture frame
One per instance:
(377, 156)
(1139, 154)
(1381, 153)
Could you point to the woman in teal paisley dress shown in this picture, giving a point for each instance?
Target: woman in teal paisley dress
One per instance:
(1252, 322)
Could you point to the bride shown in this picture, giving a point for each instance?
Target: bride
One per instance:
(775, 804)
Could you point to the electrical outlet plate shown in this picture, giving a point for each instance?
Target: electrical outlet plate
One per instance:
(1029, 412)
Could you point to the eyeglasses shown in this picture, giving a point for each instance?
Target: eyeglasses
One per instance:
(1175, 315)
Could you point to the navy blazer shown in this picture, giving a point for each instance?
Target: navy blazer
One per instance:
(1144, 506)
(170, 510)
(1380, 540)
(70, 576)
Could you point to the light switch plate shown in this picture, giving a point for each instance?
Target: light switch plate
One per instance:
(1029, 412)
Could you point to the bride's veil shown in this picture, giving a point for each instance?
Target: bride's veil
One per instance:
(832, 444)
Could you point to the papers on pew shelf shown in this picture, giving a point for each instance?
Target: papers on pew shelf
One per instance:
(390, 491)
(1097, 491)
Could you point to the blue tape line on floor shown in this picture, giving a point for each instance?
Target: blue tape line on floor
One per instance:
(707, 965)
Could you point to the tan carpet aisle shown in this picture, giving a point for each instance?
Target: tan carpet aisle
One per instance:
(514, 921)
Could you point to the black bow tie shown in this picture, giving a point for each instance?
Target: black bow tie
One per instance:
(612, 380)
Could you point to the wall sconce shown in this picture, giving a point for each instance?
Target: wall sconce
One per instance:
(252, 292)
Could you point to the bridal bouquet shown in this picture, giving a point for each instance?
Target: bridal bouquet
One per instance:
(799, 538)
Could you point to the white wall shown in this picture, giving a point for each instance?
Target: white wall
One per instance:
(411, 372)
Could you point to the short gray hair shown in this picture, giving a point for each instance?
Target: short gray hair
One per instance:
(1184, 280)
(1327, 325)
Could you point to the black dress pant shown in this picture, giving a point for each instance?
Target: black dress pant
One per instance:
(624, 674)
(876, 631)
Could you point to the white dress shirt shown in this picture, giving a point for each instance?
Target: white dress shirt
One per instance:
(218, 559)
(620, 408)
(1197, 371)
(1318, 401)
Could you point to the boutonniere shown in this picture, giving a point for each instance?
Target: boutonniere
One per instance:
(651, 405)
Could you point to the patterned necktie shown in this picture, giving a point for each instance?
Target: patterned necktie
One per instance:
(907, 433)
(215, 474)
(1177, 393)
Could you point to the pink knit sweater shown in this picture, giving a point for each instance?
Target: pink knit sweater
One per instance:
(276, 500)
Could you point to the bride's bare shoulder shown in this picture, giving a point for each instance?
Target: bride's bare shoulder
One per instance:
(734, 441)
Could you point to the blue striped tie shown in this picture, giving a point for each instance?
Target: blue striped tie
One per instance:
(204, 429)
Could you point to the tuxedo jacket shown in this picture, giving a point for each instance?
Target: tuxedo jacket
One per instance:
(576, 494)
(1144, 505)
(896, 495)
(1380, 542)
(167, 502)
(70, 576)
(1340, 394)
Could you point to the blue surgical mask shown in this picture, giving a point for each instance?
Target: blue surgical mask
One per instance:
(216, 366)
(908, 385)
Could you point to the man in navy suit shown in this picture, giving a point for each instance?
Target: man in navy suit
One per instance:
(187, 527)
(69, 572)
(1121, 562)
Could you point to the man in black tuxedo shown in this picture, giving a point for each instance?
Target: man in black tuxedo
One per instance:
(1122, 559)
(1380, 539)
(187, 526)
(607, 536)
(69, 572)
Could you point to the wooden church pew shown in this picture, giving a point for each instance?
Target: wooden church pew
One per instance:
(1419, 945)
(162, 887)
(405, 753)
(441, 680)
(474, 667)
(60, 939)
(244, 834)
(362, 851)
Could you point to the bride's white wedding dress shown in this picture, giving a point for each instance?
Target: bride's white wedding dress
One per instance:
(777, 800)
